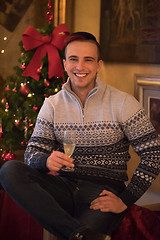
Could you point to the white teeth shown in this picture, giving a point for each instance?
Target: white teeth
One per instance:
(80, 75)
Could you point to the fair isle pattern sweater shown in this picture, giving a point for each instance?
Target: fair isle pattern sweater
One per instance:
(108, 123)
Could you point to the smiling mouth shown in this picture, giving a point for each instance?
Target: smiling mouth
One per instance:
(80, 74)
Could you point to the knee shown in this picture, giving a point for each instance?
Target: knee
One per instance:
(9, 171)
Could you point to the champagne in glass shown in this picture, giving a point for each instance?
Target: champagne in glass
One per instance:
(69, 146)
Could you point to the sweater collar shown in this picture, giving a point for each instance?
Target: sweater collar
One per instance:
(98, 85)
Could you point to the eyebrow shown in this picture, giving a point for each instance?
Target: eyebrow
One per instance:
(72, 56)
(87, 57)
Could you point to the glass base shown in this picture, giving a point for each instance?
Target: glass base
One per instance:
(67, 169)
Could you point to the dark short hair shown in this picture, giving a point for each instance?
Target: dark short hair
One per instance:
(83, 36)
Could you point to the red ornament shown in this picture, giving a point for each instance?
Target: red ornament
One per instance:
(7, 105)
(7, 89)
(31, 124)
(24, 144)
(14, 90)
(3, 155)
(9, 156)
(24, 89)
(3, 100)
(39, 70)
(35, 108)
(16, 122)
(49, 16)
(46, 83)
(23, 67)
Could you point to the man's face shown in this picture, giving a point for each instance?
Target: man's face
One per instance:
(81, 64)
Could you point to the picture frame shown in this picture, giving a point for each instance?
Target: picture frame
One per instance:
(147, 92)
(129, 31)
(59, 12)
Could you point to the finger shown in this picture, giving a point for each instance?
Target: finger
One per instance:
(62, 159)
(100, 201)
(104, 210)
(99, 205)
(108, 193)
(63, 156)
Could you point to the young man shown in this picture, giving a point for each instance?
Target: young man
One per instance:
(89, 202)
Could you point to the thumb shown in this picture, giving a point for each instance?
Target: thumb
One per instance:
(108, 193)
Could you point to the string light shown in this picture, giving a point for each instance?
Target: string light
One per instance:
(3, 51)
(30, 94)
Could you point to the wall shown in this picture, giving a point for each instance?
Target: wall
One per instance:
(121, 76)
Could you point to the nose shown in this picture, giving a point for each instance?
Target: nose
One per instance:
(80, 65)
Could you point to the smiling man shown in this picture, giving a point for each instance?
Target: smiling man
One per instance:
(87, 202)
(83, 67)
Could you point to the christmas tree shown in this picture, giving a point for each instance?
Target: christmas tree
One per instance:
(39, 75)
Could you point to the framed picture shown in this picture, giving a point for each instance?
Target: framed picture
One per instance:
(11, 12)
(147, 91)
(130, 31)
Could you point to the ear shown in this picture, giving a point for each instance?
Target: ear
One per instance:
(100, 65)
(64, 64)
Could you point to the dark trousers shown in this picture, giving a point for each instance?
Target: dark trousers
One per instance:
(60, 205)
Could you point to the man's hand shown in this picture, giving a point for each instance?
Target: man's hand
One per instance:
(57, 160)
(108, 202)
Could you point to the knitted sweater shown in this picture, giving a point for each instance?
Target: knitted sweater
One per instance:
(108, 123)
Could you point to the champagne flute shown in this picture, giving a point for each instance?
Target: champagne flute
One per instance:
(69, 144)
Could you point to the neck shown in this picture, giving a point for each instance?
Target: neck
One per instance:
(82, 94)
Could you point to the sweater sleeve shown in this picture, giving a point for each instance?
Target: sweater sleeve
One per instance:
(146, 144)
(42, 141)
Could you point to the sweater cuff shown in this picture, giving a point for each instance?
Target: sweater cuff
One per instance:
(40, 162)
(128, 198)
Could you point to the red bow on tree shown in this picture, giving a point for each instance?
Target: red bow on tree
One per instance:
(45, 45)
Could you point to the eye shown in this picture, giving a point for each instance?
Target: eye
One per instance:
(73, 59)
(89, 59)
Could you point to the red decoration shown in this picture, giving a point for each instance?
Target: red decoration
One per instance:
(16, 122)
(3, 100)
(7, 105)
(3, 155)
(7, 89)
(1, 132)
(23, 144)
(1, 136)
(46, 83)
(24, 89)
(35, 108)
(49, 14)
(45, 45)
(14, 90)
(23, 67)
(9, 156)
(39, 70)
(31, 124)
